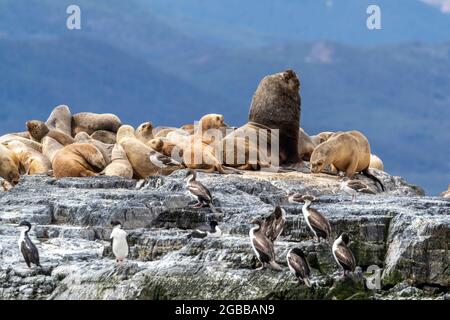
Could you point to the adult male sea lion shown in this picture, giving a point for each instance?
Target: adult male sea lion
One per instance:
(78, 160)
(276, 104)
(347, 151)
(90, 122)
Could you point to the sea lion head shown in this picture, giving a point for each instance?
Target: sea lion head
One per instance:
(37, 129)
(156, 144)
(320, 158)
(125, 131)
(9, 169)
(212, 121)
(145, 128)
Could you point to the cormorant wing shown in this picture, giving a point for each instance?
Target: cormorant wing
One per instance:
(345, 257)
(319, 223)
(273, 224)
(198, 189)
(34, 251)
(264, 247)
(26, 253)
(359, 186)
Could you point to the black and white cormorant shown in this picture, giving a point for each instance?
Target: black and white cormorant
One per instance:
(263, 246)
(342, 253)
(26, 246)
(197, 189)
(213, 232)
(316, 221)
(299, 265)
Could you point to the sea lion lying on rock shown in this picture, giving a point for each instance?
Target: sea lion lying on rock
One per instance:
(28, 142)
(276, 104)
(104, 136)
(38, 130)
(9, 165)
(138, 154)
(105, 149)
(50, 147)
(376, 162)
(446, 194)
(78, 160)
(348, 152)
(31, 160)
(90, 122)
(119, 166)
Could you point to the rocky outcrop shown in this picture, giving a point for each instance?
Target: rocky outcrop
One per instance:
(400, 231)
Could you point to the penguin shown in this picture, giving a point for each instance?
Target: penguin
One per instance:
(263, 247)
(342, 253)
(26, 246)
(299, 266)
(197, 189)
(316, 221)
(213, 232)
(353, 187)
(119, 242)
(273, 224)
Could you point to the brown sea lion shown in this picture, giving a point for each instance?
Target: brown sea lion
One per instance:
(60, 119)
(139, 153)
(163, 132)
(105, 149)
(38, 130)
(31, 160)
(28, 142)
(348, 152)
(305, 145)
(119, 166)
(90, 122)
(276, 104)
(446, 194)
(78, 160)
(104, 136)
(50, 147)
(144, 132)
(9, 165)
(166, 148)
(376, 162)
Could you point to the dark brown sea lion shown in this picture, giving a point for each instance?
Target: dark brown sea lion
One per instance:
(276, 104)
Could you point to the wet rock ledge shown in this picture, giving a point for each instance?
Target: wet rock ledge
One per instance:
(400, 231)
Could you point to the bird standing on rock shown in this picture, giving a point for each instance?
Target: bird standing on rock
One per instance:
(353, 187)
(342, 253)
(119, 242)
(198, 190)
(316, 221)
(26, 246)
(299, 265)
(273, 225)
(263, 247)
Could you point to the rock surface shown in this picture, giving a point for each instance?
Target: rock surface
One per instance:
(401, 231)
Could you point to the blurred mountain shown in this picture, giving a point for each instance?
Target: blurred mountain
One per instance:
(169, 62)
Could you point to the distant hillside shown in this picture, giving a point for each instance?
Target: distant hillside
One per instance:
(137, 60)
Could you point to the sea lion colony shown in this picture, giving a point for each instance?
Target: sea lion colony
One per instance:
(88, 144)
